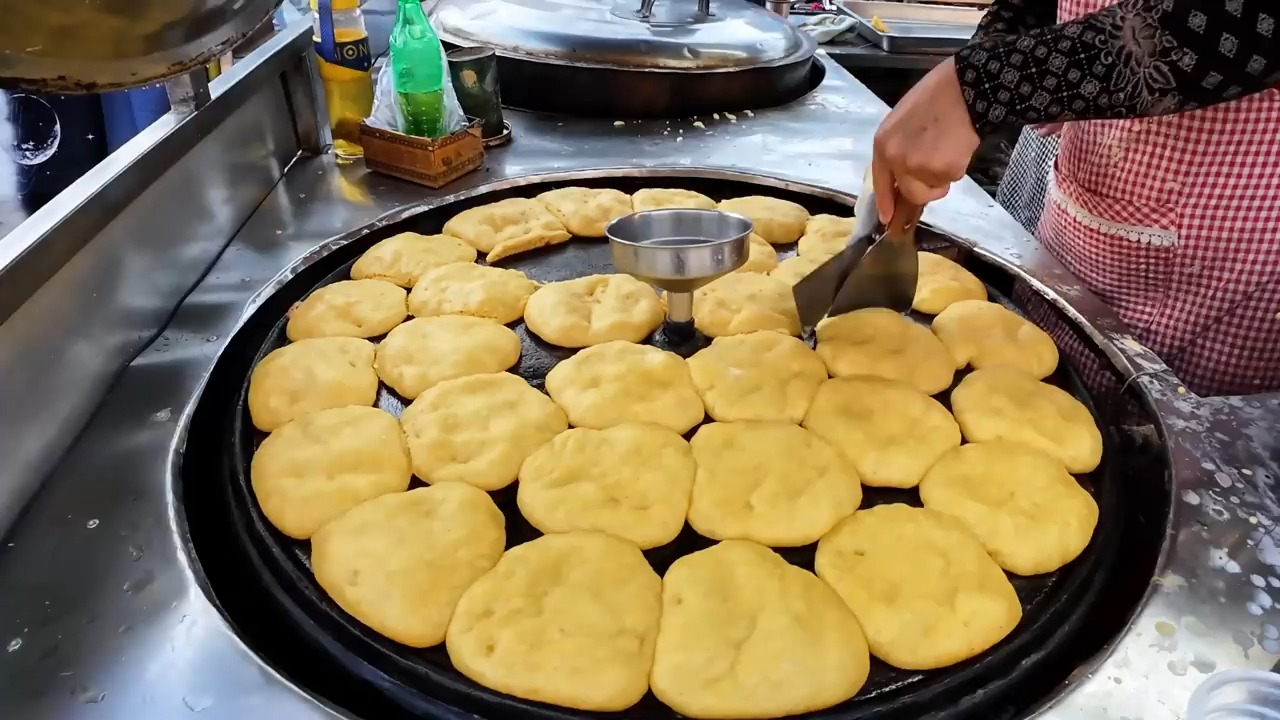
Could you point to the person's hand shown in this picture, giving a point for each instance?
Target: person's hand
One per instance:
(924, 144)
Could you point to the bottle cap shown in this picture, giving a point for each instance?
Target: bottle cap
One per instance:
(339, 5)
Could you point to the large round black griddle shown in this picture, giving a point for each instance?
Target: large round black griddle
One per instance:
(1057, 607)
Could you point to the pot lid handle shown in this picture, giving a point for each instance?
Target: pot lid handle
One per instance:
(646, 9)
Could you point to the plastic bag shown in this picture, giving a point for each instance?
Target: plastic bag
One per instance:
(386, 111)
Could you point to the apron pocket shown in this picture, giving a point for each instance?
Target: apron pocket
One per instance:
(1129, 262)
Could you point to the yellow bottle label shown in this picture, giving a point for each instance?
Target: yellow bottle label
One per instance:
(351, 57)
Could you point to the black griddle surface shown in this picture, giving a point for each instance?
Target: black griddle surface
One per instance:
(424, 683)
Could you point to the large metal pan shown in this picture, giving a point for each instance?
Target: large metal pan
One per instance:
(73, 46)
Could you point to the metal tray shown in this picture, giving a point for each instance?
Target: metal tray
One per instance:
(914, 28)
(1057, 607)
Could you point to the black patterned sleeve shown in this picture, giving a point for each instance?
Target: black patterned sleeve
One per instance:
(1136, 58)
(1015, 17)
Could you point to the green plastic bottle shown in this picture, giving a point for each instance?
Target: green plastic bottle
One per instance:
(418, 62)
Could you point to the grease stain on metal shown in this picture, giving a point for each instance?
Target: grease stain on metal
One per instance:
(1195, 627)
(1203, 665)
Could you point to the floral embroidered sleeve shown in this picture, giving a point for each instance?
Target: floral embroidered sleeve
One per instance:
(1137, 58)
(1015, 17)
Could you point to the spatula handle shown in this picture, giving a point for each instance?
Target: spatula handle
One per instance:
(905, 216)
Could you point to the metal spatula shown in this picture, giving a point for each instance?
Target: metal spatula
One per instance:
(877, 268)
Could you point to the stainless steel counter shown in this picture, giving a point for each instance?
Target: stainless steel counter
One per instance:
(103, 618)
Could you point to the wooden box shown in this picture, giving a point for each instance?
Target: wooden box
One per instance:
(433, 163)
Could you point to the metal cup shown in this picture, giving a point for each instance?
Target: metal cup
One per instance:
(474, 72)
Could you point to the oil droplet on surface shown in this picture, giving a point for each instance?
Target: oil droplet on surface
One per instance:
(1195, 627)
(92, 524)
(88, 695)
(1204, 665)
(14, 644)
(1189, 497)
(1166, 628)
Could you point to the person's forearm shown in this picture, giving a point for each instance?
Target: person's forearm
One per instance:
(1015, 17)
(1137, 58)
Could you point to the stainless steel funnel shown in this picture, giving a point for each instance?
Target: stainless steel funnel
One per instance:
(679, 251)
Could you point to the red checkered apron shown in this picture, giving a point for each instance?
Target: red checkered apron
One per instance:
(1175, 223)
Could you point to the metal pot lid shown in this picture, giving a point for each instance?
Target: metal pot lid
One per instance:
(634, 34)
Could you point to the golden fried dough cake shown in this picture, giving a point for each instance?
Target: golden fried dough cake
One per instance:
(401, 259)
(772, 482)
(568, 619)
(758, 376)
(667, 199)
(745, 634)
(630, 480)
(310, 471)
(348, 308)
(984, 334)
(740, 303)
(892, 432)
(621, 382)
(761, 257)
(399, 563)
(585, 211)
(921, 585)
(594, 309)
(424, 352)
(478, 429)
(1001, 403)
(794, 269)
(777, 221)
(883, 343)
(825, 235)
(942, 282)
(507, 227)
(311, 375)
(468, 289)
(1031, 516)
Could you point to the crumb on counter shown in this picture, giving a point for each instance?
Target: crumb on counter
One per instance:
(619, 123)
(698, 124)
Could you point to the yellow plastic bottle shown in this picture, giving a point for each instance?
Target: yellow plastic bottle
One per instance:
(344, 70)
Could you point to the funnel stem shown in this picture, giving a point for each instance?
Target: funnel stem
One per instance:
(679, 306)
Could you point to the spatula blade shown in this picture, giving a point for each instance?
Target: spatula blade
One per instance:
(816, 291)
